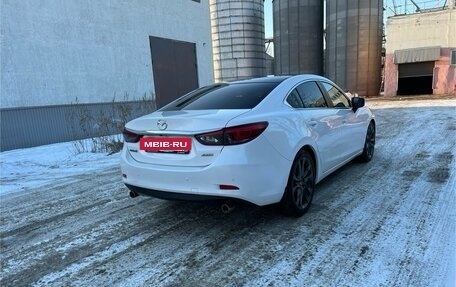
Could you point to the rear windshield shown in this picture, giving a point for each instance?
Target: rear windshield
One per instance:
(223, 96)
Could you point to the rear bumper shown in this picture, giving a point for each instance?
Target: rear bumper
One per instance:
(177, 195)
(259, 173)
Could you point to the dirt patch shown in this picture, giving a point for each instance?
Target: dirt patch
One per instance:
(441, 173)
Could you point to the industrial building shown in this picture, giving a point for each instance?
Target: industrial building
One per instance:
(421, 53)
(54, 53)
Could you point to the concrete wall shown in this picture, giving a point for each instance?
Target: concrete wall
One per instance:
(55, 51)
(421, 30)
(436, 28)
(444, 74)
(391, 76)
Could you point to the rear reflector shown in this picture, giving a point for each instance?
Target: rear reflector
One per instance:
(228, 187)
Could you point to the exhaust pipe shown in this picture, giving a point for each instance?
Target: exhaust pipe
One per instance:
(227, 207)
(133, 194)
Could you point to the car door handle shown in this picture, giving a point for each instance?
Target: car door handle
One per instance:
(312, 123)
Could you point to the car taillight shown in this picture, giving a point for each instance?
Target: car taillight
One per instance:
(233, 135)
(131, 137)
(212, 138)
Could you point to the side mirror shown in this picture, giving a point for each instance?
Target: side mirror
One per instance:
(357, 103)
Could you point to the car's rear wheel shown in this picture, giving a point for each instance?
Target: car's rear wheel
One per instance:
(301, 184)
(369, 144)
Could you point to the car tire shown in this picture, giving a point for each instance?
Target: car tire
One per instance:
(300, 186)
(369, 144)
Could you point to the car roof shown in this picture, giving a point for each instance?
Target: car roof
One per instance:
(279, 79)
(269, 79)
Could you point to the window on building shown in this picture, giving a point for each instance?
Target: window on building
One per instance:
(453, 57)
(196, 1)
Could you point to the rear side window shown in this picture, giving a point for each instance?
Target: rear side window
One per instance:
(294, 100)
(223, 96)
(337, 97)
(311, 95)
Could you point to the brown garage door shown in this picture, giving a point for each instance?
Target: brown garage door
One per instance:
(174, 67)
(415, 78)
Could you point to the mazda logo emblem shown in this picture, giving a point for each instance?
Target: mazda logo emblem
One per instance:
(162, 125)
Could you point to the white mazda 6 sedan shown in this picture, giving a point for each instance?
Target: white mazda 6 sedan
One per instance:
(263, 141)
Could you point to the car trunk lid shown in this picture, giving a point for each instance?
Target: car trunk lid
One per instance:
(180, 124)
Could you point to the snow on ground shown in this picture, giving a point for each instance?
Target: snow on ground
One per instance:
(405, 102)
(66, 220)
(37, 166)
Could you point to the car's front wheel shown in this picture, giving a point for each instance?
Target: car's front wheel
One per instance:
(301, 184)
(369, 144)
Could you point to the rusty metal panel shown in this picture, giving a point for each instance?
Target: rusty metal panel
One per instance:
(174, 67)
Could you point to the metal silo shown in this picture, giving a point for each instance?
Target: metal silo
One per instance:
(353, 44)
(298, 36)
(237, 39)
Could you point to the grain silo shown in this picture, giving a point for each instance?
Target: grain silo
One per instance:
(237, 39)
(353, 44)
(298, 36)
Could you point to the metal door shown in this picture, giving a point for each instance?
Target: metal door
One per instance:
(174, 67)
(415, 78)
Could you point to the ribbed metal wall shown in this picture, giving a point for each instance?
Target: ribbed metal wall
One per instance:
(237, 39)
(298, 36)
(33, 126)
(353, 44)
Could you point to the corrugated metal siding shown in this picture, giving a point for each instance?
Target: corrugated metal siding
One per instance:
(354, 45)
(298, 36)
(33, 126)
(415, 55)
(237, 39)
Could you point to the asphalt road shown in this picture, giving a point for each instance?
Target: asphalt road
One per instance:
(389, 222)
